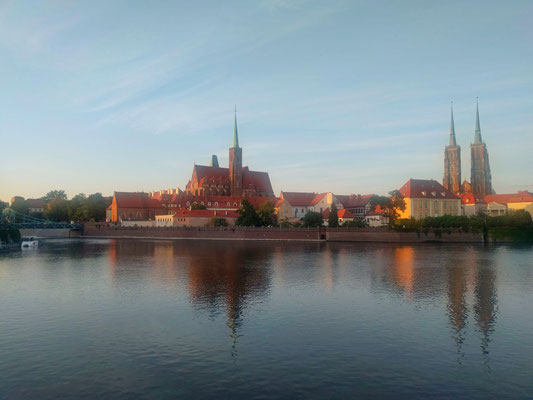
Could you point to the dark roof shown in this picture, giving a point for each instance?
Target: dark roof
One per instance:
(352, 200)
(302, 198)
(522, 196)
(136, 200)
(424, 188)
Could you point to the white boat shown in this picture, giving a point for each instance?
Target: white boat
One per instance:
(29, 243)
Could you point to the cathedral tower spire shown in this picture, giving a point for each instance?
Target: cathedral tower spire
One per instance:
(452, 130)
(235, 163)
(452, 161)
(480, 177)
(477, 137)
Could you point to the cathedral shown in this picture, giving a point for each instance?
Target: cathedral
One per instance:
(235, 181)
(480, 184)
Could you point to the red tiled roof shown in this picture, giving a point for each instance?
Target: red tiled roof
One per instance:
(522, 196)
(424, 188)
(377, 211)
(352, 200)
(342, 213)
(136, 200)
(257, 180)
(302, 198)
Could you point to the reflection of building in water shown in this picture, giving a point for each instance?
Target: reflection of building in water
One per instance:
(229, 276)
(485, 307)
(404, 267)
(457, 306)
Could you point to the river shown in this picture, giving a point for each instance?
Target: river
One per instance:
(226, 319)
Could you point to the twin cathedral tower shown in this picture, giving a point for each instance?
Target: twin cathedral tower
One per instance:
(480, 179)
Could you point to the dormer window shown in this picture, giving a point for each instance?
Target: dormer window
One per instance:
(434, 194)
(423, 193)
(443, 194)
(209, 204)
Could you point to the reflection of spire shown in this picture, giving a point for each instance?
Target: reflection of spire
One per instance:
(457, 311)
(485, 307)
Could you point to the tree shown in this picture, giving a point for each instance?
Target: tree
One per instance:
(312, 219)
(391, 205)
(3, 205)
(57, 210)
(356, 223)
(81, 214)
(218, 222)
(97, 205)
(248, 216)
(197, 206)
(333, 219)
(54, 194)
(266, 213)
(21, 207)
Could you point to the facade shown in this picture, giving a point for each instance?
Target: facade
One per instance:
(452, 162)
(428, 198)
(480, 177)
(472, 206)
(134, 206)
(514, 201)
(194, 218)
(292, 206)
(358, 205)
(234, 181)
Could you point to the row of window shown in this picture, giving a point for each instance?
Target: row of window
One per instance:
(426, 203)
(235, 204)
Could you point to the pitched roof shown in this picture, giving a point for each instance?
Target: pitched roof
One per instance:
(342, 213)
(299, 198)
(180, 200)
(34, 203)
(136, 200)
(426, 189)
(522, 196)
(352, 200)
(257, 180)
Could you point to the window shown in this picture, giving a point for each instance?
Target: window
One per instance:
(209, 204)
(436, 205)
(423, 193)
(216, 203)
(426, 204)
(426, 214)
(188, 203)
(420, 215)
(235, 204)
(303, 211)
(445, 205)
(420, 206)
(228, 203)
(434, 194)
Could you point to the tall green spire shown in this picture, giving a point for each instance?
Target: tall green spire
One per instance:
(477, 137)
(235, 133)
(452, 130)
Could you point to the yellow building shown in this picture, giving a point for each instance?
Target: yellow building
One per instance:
(522, 200)
(428, 198)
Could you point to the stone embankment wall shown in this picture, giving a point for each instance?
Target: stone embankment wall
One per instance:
(306, 234)
(51, 233)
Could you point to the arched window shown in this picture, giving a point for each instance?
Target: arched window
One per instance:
(436, 205)
(216, 203)
(229, 204)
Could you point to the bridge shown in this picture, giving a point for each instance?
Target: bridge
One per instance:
(12, 219)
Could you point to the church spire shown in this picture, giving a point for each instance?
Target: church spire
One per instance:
(477, 138)
(235, 133)
(452, 130)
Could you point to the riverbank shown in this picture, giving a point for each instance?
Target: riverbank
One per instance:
(285, 234)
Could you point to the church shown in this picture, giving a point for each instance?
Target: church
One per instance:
(235, 181)
(480, 184)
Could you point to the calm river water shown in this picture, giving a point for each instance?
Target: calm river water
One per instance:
(213, 319)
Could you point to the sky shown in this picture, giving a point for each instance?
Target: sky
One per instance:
(342, 96)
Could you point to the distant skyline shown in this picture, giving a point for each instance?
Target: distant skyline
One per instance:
(342, 96)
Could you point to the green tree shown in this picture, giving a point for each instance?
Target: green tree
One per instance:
(82, 214)
(21, 207)
(57, 210)
(74, 204)
(248, 216)
(197, 206)
(333, 219)
(391, 205)
(218, 222)
(97, 205)
(356, 223)
(3, 205)
(312, 219)
(54, 194)
(266, 213)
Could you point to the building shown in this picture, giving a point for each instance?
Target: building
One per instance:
(292, 206)
(134, 206)
(514, 201)
(472, 206)
(343, 215)
(428, 198)
(358, 205)
(452, 162)
(35, 206)
(235, 181)
(195, 218)
(480, 177)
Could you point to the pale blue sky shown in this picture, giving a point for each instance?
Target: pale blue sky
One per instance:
(342, 96)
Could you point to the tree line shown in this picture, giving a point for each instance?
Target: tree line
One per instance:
(58, 208)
